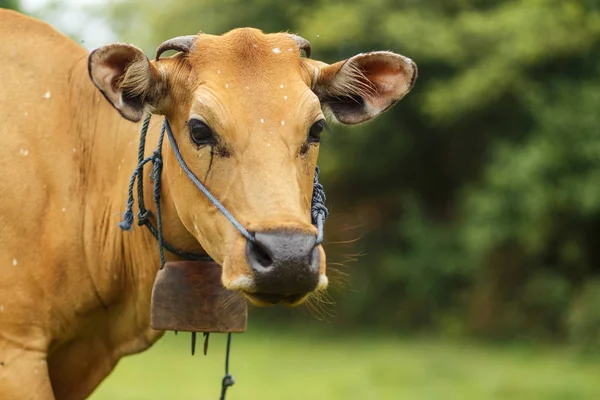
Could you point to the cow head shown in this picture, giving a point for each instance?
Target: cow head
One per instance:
(247, 111)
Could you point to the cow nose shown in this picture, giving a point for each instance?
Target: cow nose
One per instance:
(284, 262)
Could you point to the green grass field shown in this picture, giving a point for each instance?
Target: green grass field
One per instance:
(287, 366)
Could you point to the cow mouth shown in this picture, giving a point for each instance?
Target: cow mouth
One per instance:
(271, 299)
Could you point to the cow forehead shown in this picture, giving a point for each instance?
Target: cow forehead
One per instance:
(247, 55)
(251, 78)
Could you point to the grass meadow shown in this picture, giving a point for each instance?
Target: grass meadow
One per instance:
(268, 365)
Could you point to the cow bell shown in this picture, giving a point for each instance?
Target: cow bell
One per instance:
(188, 296)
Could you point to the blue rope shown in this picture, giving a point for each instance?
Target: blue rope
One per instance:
(156, 176)
(141, 150)
(318, 210)
(228, 379)
(202, 188)
(127, 222)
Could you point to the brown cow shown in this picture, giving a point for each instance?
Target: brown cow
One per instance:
(246, 110)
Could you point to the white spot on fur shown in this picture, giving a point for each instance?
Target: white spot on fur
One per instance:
(282, 123)
(281, 86)
(268, 144)
(276, 50)
(285, 97)
(23, 152)
(15, 262)
(122, 161)
(227, 85)
(323, 282)
(46, 95)
(64, 209)
(247, 87)
(218, 71)
(262, 121)
(243, 283)
(291, 49)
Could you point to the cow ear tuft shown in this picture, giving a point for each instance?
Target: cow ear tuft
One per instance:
(126, 78)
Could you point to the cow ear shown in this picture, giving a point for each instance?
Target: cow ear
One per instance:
(126, 78)
(364, 86)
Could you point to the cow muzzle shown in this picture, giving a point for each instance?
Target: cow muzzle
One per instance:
(285, 266)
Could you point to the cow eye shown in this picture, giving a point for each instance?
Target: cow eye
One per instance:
(314, 134)
(200, 132)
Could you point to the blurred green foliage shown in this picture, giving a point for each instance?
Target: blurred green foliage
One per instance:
(476, 200)
(10, 4)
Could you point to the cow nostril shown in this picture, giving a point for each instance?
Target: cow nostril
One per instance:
(261, 255)
(283, 262)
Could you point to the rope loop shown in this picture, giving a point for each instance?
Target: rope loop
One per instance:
(127, 222)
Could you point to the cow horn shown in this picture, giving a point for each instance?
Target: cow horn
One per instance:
(179, 43)
(302, 43)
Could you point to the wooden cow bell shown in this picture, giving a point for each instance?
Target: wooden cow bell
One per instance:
(188, 296)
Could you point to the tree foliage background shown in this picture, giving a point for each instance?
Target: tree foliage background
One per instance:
(474, 204)
(10, 4)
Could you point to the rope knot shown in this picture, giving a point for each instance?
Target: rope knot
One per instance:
(127, 222)
(143, 217)
(318, 209)
(228, 380)
(156, 157)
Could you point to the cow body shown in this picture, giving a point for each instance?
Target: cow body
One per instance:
(73, 298)
(246, 110)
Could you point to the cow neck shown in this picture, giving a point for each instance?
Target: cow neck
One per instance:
(109, 153)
